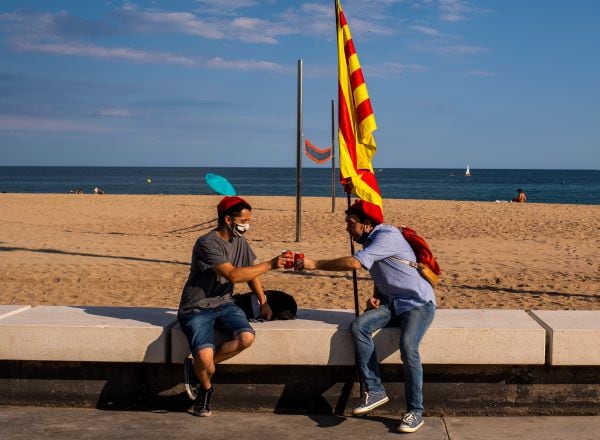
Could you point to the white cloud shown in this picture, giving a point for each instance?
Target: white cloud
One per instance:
(449, 49)
(246, 65)
(42, 124)
(392, 70)
(114, 112)
(454, 10)
(425, 30)
(481, 73)
(181, 22)
(80, 49)
(224, 7)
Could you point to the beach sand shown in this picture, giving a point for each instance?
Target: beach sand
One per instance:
(134, 250)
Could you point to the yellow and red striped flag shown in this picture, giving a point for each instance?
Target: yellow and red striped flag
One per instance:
(356, 120)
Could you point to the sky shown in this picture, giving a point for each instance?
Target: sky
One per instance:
(208, 83)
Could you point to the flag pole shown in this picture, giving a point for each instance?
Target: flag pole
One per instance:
(354, 275)
(332, 156)
(299, 158)
(361, 382)
(346, 188)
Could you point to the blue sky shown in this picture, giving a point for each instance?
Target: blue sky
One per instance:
(497, 84)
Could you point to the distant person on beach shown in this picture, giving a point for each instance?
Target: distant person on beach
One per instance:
(220, 259)
(401, 298)
(521, 197)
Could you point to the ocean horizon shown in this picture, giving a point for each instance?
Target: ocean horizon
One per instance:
(541, 186)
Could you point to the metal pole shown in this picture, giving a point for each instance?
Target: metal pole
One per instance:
(299, 159)
(332, 156)
(354, 275)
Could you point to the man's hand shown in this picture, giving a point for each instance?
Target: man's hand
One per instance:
(280, 260)
(265, 311)
(305, 264)
(373, 303)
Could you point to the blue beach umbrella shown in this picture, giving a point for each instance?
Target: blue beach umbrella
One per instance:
(219, 184)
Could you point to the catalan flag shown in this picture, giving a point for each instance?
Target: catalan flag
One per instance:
(356, 120)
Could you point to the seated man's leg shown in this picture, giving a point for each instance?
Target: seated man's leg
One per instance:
(199, 330)
(232, 322)
(362, 332)
(414, 324)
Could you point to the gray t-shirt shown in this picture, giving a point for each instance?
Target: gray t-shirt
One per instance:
(205, 288)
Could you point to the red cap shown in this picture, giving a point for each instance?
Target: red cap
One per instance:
(370, 210)
(229, 202)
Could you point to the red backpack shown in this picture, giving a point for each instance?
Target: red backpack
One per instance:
(423, 253)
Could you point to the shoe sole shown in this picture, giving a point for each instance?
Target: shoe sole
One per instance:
(191, 392)
(190, 389)
(202, 414)
(407, 429)
(366, 409)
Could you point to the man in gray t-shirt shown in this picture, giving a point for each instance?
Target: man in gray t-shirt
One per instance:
(220, 259)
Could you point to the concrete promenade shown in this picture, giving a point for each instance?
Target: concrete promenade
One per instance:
(27, 422)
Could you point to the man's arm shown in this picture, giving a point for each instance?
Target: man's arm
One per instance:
(337, 264)
(256, 287)
(248, 273)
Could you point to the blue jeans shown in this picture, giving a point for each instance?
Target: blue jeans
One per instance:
(413, 325)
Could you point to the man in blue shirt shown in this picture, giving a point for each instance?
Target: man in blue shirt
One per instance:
(402, 298)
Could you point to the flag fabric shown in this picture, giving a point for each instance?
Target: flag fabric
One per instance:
(356, 120)
(316, 154)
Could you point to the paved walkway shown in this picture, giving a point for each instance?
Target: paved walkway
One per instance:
(75, 423)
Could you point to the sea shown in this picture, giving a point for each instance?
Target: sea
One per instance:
(541, 186)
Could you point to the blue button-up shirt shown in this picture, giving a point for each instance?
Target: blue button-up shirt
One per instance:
(398, 283)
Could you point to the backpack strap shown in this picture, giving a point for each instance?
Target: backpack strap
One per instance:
(405, 261)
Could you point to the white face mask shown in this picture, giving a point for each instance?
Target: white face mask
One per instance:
(240, 228)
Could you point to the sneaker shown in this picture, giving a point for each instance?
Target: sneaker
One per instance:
(190, 379)
(370, 401)
(411, 422)
(201, 407)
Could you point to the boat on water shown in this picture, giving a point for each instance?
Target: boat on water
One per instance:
(468, 171)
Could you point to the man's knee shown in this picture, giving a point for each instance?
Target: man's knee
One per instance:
(410, 354)
(245, 339)
(204, 358)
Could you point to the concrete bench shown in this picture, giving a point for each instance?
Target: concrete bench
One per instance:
(573, 336)
(9, 310)
(322, 337)
(101, 334)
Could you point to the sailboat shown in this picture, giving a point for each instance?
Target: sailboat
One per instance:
(468, 172)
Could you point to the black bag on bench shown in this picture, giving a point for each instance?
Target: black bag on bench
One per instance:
(282, 304)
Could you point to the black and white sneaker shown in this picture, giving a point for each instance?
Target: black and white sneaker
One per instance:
(190, 379)
(201, 407)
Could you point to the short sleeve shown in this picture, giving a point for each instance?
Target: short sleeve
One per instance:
(381, 244)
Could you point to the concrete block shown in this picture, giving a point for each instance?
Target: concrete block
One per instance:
(316, 337)
(99, 334)
(322, 337)
(573, 336)
(9, 310)
(483, 337)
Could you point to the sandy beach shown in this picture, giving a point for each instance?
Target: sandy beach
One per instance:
(135, 250)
